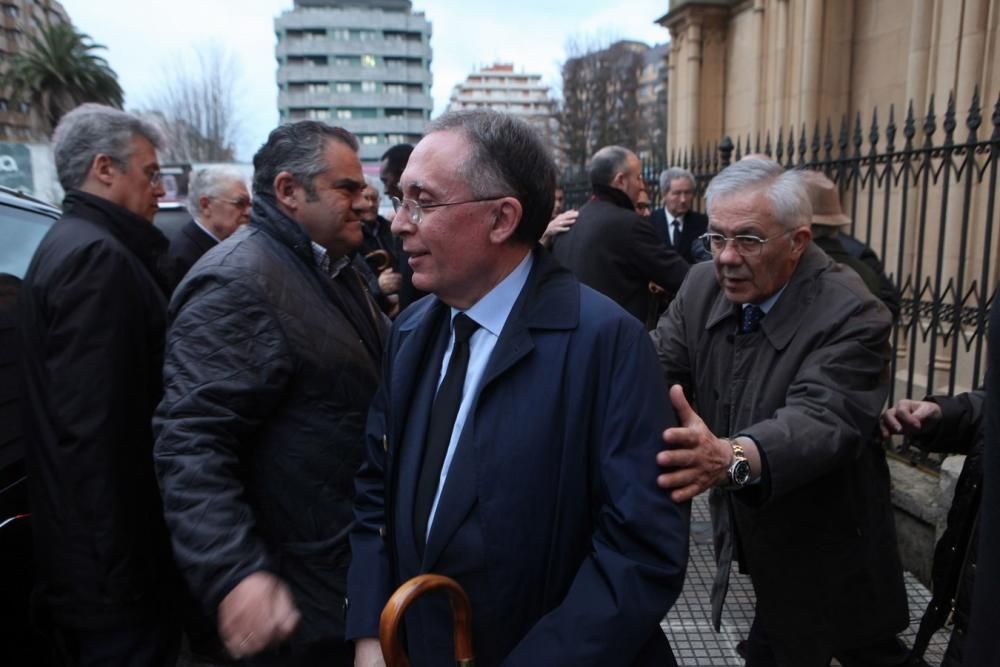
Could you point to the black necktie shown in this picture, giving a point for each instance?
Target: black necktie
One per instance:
(442, 422)
(675, 234)
(752, 315)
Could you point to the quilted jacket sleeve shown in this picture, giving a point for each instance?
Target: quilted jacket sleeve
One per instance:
(226, 366)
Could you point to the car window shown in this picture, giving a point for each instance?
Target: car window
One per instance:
(20, 233)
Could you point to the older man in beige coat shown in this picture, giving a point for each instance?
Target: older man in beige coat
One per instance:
(783, 356)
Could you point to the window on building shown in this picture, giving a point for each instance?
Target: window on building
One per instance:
(364, 35)
(368, 139)
(317, 87)
(396, 139)
(343, 87)
(368, 87)
(348, 61)
(395, 88)
(368, 60)
(10, 10)
(345, 114)
(340, 34)
(318, 114)
(23, 107)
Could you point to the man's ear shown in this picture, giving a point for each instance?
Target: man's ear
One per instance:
(104, 169)
(800, 240)
(285, 187)
(507, 218)
(618, 181)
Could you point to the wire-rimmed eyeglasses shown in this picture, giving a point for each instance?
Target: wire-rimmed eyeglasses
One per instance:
(747, 245)
(416, 210)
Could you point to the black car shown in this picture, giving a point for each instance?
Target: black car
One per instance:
(23, 222)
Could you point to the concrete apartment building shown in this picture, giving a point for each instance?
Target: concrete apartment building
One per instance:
(521, 94)
(362, 64)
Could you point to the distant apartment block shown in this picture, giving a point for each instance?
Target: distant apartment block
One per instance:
(500, 88)
(362, 64)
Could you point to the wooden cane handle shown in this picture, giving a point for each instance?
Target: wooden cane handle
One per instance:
(392, 616)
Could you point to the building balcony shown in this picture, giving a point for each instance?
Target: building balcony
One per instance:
(352, 18)
(381, 125)
(371, 100)
(353, 47)
(307, 73)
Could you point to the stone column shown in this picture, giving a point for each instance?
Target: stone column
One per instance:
(811, 72)
(779, 66)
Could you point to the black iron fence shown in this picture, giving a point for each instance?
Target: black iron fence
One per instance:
(925, 201)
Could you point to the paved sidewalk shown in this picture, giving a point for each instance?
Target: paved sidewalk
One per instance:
(689, 624)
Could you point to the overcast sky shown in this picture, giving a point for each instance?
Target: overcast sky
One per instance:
(144, 37)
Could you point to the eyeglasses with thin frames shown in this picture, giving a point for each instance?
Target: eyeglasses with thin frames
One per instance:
(241, 203)
(416, 210)
(747, 245)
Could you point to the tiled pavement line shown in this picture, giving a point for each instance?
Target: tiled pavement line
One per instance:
(689, 624)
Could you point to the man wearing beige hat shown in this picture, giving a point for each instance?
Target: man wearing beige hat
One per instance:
(829, 225)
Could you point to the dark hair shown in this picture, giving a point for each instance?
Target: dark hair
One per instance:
(397, 156)
(298, 149)
(607, 162)
(509, 159)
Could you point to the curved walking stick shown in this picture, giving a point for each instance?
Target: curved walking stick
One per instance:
(392, 615)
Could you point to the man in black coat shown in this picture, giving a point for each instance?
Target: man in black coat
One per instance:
(613, 249)
(219, 203)
(92, 318)
(272, 358)
(676, 224)
(983, 645)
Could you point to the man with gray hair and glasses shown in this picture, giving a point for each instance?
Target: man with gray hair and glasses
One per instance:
(93, 315)
(510, 443)
(777, 360)
(219, 203)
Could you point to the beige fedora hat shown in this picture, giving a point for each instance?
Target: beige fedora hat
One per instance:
(825, 200)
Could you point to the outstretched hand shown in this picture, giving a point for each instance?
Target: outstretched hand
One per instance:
(910, 418)
(696, 459)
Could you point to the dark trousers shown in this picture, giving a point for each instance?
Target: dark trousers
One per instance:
(138, 645)
(315, 654)
(888, 652)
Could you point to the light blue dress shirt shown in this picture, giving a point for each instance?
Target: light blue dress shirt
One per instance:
(490, 313)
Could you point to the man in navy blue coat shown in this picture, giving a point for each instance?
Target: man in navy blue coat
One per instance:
(539, 498)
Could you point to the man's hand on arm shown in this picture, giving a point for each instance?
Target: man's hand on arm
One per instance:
(698, 459)
(368, 653)
(259, 612)
(558, 225)
(910, 418)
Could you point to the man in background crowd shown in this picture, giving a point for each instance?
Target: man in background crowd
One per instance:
(676, 223)
(610, 247)
(219, 202)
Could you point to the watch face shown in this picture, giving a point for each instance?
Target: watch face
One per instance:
(741, 472)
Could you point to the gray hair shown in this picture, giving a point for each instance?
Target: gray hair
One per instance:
(94, 129)
(209, 182)
(297, 148)
(607, 162)
(507, 158)
(786, 191)
(668, 176)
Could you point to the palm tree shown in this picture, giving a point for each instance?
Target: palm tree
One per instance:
(58, 72)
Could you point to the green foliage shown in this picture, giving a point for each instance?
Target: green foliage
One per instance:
(59, 71)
